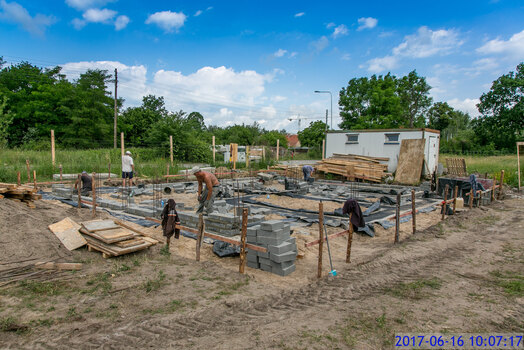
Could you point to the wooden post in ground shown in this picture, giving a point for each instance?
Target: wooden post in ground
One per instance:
(109, 171)
(167, 169)
(480, 198)
(214, 150)
(455, 193)
(200, 235)
(60, 168)
(93, 196)
(444, 204)
(18, 179)
(264, 152)
(493, 187)
(171, 148)
(53, 147)
(323, 149)
(350, 240)
(122, 143)
(518, 164)
(321, 237)
(413, 211)
(397, 219)
(501, 185)
(79, 192)
(471, 199)
(278, 149)
(34, 178)
(28, 172)
(247, 157)
(242, 265)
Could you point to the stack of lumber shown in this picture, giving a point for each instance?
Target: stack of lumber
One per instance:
(353, 167)
(456, 166)
(24, 193)
(114, 238)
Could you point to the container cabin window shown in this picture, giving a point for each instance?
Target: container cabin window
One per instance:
(392, 139)
(352, 138)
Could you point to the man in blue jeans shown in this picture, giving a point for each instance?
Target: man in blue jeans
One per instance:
(307, 170)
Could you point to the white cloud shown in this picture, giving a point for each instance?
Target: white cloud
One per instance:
(121, 22)
(209, 8)
(293, 54)
(320, 44)
(345, 57)
(198, 13)
(367, 23)
(513, 47)
(15, 13)
(330, 25)
(424, 43)
(167, 20)
(340, 30)
(380, 64)
(86, 4)
(300, 14)
(99, 16)
(78, 23)
(278, 98)
(280, 53)
(468, 105)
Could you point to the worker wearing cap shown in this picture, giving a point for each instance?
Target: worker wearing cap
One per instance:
(87, 184)
(206, 197)
(128, 167)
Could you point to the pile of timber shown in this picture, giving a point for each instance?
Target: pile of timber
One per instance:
(353, 167)
(114, 238)
(24, 193)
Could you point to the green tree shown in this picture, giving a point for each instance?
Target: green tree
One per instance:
(313, 135)
(269, 138)
(414, 95)
(135, 122)
(502, 111)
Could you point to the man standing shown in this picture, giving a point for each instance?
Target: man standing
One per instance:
(308, 171)
(87, 184)
(207, 196)
(128, 168)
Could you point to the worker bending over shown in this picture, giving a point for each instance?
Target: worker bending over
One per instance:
(206, 198)
(87, 184)
(308, 170)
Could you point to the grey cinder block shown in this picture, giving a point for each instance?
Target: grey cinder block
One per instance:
(289, 256)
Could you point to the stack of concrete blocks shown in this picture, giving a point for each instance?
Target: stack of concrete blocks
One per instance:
(222, 224)
(60, 190)
(282, 248)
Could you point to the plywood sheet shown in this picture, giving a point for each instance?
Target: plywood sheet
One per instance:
(67, 232)
(410, 162)
(99, 225)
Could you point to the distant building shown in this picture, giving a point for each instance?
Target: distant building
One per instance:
(293, 141)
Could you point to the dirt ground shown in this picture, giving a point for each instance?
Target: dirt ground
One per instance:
(465, 274)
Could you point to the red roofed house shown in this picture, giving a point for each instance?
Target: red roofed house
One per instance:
(293, 141)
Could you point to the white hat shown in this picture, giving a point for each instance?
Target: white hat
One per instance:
(194, 169)
(128, 152)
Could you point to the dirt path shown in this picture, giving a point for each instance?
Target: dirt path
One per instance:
(464, 276)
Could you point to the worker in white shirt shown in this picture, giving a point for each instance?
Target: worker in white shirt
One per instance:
(128, 168)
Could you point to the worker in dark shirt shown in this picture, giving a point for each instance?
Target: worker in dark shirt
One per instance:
(87, 184)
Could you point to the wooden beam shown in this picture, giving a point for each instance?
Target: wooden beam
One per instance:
(59, 266)
(350, 240)
(413, 211)
(171, 148)
(79, 192)
(278, 149)
(28, 172)
(320, 237)
(214, 150)
(93, 184)
(242, 263)
(317, 241)
(200, 235)
(397, 219)
(501, 185)
(122, 143)
(53, 147)
(455, 192)
(444, 203)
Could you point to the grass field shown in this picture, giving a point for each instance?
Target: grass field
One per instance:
(152, 163)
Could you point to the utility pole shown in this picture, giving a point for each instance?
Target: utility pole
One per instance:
(116, 85)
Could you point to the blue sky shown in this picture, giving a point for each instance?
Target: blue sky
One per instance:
(246, 61)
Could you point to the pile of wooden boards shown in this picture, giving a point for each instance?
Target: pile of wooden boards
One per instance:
(353, 167)
(114, 238)
(24, 193)
(456, 166)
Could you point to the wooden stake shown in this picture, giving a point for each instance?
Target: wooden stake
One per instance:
(493, 187)
(171, 148)
(34, 177)
(247, 156)
(214, 150)
(109, 171)
(278, 149)
(444, 204)
(122, 143)
(350, 240)
(455, 193)
(18, 178)
(60, 167)
(480, 199)
(28, 172)
(323, 149)
(243, 242)
(79, 192)
(413, 211)
(53, 147)
(397, 219)
(518, 164)
(200, 235)
(471, 199)
(167, 169)
(264, 152)
(320, 237)
(501, 184)
(93, 184)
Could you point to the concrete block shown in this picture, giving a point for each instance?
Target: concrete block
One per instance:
(283, 271)
(252, 258)
(289, 256)
(265, 267)
(251, 239)
(256, 218)
(145, 212)
(282, 248)
(252, 231)
(272, 225)
(264, 261)
(292, 240)
(280, 235)
(263, 255)
(269, 240)
(253, 265)
(282, 265)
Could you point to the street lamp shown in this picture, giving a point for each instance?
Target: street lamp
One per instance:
(331, 95)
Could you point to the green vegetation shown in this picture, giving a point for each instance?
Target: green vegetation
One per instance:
(511, 282)
(414, 290)
(153, 284)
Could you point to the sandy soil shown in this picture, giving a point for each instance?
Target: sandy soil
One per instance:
(462, 275)
(299, 203)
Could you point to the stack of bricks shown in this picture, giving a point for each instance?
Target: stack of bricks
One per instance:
(282, 248)
(222, 224)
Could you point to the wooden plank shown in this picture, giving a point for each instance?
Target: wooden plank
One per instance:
(66, 231)
(99, 225)
(113, 249)
(59, 266)
(317, 241)
(410, 161)
(113, 236)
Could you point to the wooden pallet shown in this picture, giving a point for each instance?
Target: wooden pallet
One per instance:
(456, 166)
